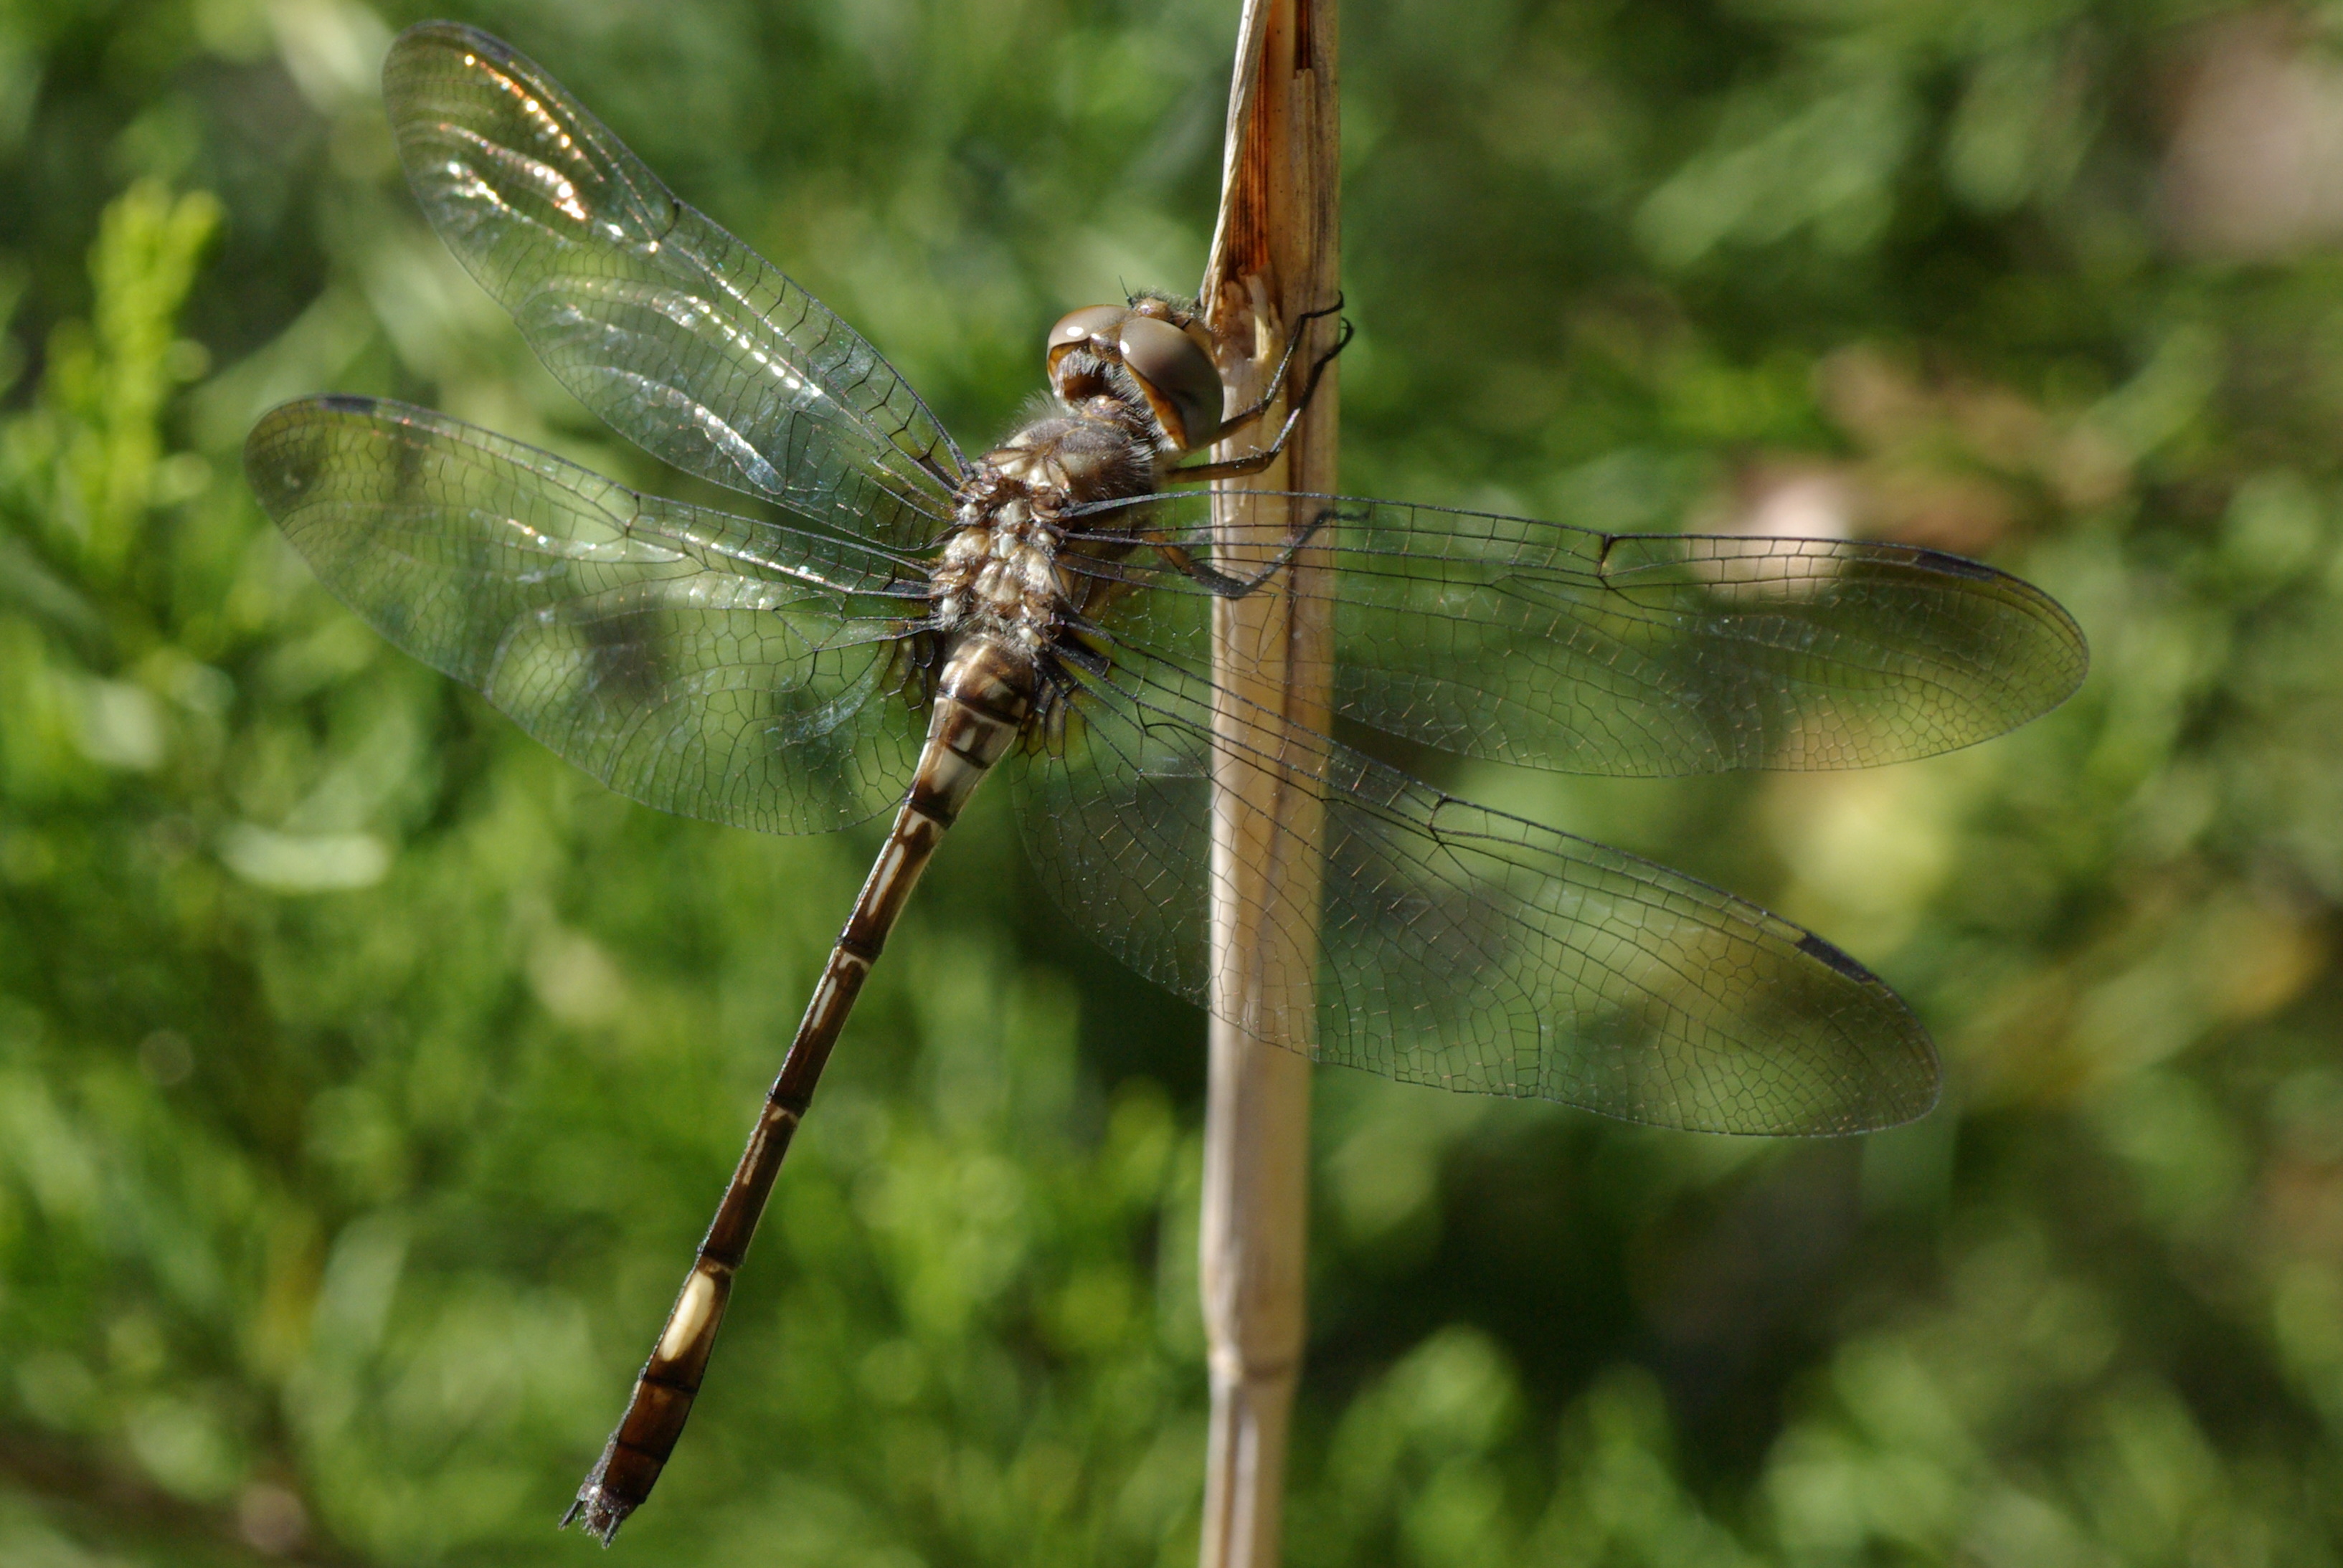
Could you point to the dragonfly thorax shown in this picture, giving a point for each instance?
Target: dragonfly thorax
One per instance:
(999, 573)
(1132, 391)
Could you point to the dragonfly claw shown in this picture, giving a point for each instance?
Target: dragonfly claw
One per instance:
(596, 1510)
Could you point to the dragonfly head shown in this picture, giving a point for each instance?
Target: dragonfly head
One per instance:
(1162, 347)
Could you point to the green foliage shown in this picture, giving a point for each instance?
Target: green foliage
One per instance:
(365, 1076)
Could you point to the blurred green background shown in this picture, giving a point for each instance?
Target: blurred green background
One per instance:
(365, 1075)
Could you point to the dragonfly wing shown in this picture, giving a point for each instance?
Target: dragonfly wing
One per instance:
(682, 338)
(705, 664)
(1464, 947)
(1635, 654)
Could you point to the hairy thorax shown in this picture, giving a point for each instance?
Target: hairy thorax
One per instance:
(1003, 576)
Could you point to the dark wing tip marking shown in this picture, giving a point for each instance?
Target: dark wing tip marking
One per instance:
(2074, 654)
(279, 464)
(288, 446)
(1908, 1101)
(1953, 565)
(1814, 946)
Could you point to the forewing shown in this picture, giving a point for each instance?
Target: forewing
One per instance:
(683, 338)
(705, 664)
(1461, 947)
(1638, 655)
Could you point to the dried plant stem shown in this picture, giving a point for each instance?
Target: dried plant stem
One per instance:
(1274, 258)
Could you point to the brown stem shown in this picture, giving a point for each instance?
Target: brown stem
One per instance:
(1274, 259)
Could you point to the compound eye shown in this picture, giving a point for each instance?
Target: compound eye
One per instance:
(1094, 324)
(1177, 377)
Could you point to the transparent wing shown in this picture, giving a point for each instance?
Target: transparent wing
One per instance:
(706, 664)
(1464, 947)
(1634, 655)
(684, 339)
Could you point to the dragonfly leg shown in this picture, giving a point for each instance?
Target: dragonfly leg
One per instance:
(1253, 462)
(1244, 417)
(1213, 580)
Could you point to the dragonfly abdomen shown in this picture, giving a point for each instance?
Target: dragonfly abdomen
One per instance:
(983, 701)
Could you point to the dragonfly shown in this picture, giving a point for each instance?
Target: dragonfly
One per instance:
(900, 620)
